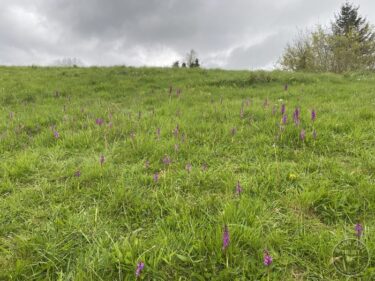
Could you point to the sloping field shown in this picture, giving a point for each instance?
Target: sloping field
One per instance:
(199, 174)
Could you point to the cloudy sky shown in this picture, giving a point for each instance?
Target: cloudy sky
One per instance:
(231, 34)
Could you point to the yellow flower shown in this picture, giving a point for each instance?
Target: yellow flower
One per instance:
(292, 176)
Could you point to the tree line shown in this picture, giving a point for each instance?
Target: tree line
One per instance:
(192, 61)
(348, 44)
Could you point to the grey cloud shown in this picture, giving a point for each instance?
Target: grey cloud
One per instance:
(232, 34)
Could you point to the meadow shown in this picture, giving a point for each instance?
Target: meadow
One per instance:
(183, 174)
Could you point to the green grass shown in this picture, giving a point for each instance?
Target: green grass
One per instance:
(300, 198)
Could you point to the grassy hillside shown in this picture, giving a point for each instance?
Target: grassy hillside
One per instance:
(104, 168)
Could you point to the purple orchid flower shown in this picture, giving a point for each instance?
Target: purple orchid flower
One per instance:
(358, 229)
(238, 188)
(225, 237)
(313, 115)
(267, 260)
(99, 121)
(283, 109)
(139, 269)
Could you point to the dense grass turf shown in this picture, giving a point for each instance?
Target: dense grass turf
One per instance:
(66, 215)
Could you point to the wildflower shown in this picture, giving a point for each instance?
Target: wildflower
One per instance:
(156, 177)
(292, 176)
(77, 173)
(188, 167)
(238, 188)
(167, 160)
(283, 109)
(313, 115)
(101, 160)
(358, 229)
(284, 120)
(139, 269)
(302, 135)
(267, 260)
(99, 121)
(296, 116)
(56, 134)
(225, 237)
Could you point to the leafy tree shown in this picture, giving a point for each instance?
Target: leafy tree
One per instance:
(176, 64)
(349, 44)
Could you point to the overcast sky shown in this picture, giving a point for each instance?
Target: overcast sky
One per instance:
(231, 34)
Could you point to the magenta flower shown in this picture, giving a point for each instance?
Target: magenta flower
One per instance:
(101, 160)
(56, 134)
(99, 121)
(284, 120)
(139, 269)
(156, 177)
(77, 173)
(238, 188)
(302, 135)
(267, 260)
(282, 109)
(225, 237)
(313, 115)
(358, 229)
(167, 160)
